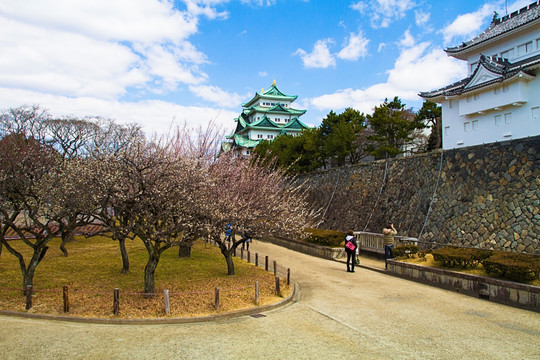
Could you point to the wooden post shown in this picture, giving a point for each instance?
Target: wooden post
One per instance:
(257, 293)
(28, 297)
(275, 268)
(242, 254)
(288, 276)
(266, 263)
(166, 300)
(66, 298)
(256, 259)
(249, 256)
(278, 289)
(116, 301)
(217, 298)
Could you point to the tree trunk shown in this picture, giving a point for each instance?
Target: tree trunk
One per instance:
(149, 285)
(184, 251)
(28, 272)
(67, 236)
(125, 258)
(230, 263)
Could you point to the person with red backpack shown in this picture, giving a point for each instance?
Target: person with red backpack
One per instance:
(350, 249)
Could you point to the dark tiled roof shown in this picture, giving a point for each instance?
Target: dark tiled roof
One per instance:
(495, 65)
(501, 26)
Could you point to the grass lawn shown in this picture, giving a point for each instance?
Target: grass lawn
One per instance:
(479, 270)
(92, 271)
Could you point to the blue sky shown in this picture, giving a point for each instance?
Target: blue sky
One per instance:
(162, 63)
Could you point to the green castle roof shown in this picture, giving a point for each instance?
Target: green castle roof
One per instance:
(272, 93)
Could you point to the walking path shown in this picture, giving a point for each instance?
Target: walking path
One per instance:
(361, 315)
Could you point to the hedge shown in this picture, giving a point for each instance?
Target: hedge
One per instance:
(324, 237)
(405, 251)
(460, 257)
(513, 266)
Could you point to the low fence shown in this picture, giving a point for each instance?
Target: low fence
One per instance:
(215, 296)
(374, 242)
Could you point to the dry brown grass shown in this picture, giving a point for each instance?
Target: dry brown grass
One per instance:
(92, 271)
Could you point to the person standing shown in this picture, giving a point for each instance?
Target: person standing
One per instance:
(388, 239)
(350, 249)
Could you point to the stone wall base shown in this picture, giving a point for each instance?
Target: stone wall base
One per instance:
(500, 291)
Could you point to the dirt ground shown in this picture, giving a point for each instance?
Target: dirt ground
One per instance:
(340, 315)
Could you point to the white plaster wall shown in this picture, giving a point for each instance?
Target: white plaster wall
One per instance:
(512, 42)
(520, 125)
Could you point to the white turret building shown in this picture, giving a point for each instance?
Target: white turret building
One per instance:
(500, 99)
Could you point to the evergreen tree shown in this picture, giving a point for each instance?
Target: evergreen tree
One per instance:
(431, 114)
(393, 127)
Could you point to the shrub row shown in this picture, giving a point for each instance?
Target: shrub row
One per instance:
(510, 266)
(513, 266)
(408, 251)
(325, 237)
(460, 257)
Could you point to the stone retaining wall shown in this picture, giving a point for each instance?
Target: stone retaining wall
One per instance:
(487, 196)
(504, 292)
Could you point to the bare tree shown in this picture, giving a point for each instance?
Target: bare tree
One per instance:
(73, 139)
(116, 199)
(255, 200)
(38, 191)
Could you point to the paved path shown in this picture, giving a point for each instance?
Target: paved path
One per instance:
(362, 315)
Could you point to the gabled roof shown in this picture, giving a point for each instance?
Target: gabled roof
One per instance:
(489, 70)
(500, 27)
(273, 93)
(264, 122)
(277, 109)
(295, 124)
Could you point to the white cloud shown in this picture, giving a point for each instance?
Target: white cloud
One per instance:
(320, 57)
(383, 12)
(263, 74)
(421, 18)
(407, 40)
(418, 68)
(467, 25)
(217, 95)
(381, 47)
(355, 48)
(155, 116)
(97, 49)
(259, 2)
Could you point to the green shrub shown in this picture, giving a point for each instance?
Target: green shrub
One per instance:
(460, 257)
(325, 237)
(513, 266)
(407, 251)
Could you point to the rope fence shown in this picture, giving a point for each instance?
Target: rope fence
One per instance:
(214, 299)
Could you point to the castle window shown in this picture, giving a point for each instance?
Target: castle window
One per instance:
(474, 125)
(270, 137)
(507, 118)
(496, 91)
(535, 113)
(451, 104)
(446, 130)
(467, 126)
(524, 48)
(508, 54)
(498, 119)
(506, 88)
(475, 97)
(259, 136)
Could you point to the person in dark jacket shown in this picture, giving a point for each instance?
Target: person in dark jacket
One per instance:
(350, 249)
